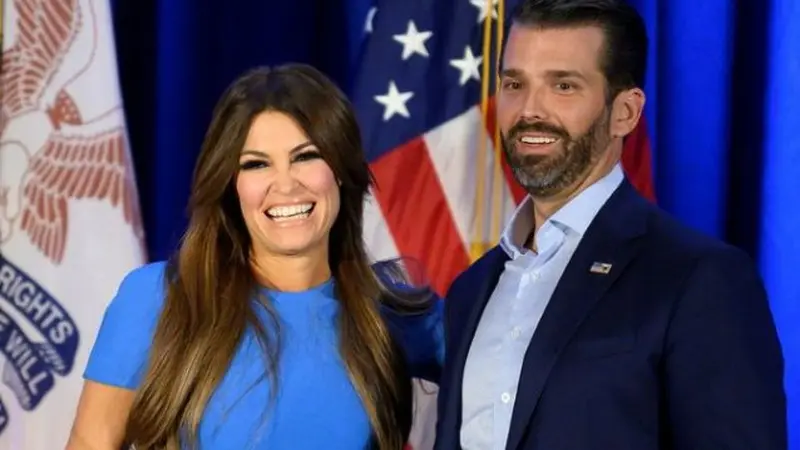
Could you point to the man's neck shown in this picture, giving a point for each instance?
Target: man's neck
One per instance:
(545, 207)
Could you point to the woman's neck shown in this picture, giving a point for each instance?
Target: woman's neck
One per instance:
(291, 273)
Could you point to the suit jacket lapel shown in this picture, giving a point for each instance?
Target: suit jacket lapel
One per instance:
(611, 238)
(477, 291)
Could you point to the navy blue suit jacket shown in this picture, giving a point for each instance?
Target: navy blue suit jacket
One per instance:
(674, 348)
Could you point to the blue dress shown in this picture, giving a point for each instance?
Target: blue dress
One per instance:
(316, 407)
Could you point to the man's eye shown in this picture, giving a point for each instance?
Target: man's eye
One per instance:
(564, 86)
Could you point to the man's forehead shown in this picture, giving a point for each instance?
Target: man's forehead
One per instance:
(589, 31)
(554, 48)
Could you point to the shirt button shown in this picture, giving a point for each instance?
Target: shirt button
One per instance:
(535, 276)
(506, 397)
(516, 332)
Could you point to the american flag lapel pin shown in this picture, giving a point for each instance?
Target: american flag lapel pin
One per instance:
(601, 268)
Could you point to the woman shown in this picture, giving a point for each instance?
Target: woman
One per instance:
(265, 330)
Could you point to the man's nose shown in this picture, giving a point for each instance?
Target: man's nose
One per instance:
(534, 105)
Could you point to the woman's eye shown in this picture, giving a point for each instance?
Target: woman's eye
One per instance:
(306, 156)
(253, 164)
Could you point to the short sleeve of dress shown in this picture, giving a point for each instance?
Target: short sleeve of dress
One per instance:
(120, 352)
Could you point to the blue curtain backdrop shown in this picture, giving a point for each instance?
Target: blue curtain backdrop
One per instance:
(723, 112)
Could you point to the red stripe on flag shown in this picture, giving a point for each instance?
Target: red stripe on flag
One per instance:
(415, 208)
(636, 157)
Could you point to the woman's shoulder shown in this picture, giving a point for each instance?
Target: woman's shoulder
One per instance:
(145, 283)
(148, 275)
(140, 295)
(123, 340)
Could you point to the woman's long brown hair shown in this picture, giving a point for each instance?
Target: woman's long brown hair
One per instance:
(210, 284)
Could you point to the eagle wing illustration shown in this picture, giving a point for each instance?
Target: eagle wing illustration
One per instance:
(45, 29)
(76, 167)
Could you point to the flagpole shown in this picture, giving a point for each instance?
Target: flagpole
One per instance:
(478, 246)
(480, 243)
(498, 177)
(2, 19)
(2, 6)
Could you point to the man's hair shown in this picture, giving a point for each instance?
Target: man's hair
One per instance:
(625, 57)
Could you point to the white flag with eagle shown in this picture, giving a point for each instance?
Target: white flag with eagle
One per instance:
(70, 226)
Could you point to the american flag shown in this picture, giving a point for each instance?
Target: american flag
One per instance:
(423, 96)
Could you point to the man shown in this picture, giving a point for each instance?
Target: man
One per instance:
(599, 322)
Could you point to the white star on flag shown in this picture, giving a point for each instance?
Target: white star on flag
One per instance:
(413, 41)
(394, 102)
(468, 66)
(483, 8)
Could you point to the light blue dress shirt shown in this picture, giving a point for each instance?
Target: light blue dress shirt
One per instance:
(528, 280)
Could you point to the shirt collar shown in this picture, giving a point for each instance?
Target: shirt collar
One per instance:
(576, 215)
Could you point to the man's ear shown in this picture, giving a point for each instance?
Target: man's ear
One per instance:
(626, 112)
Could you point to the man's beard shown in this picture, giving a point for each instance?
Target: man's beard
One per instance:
(544, 176)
